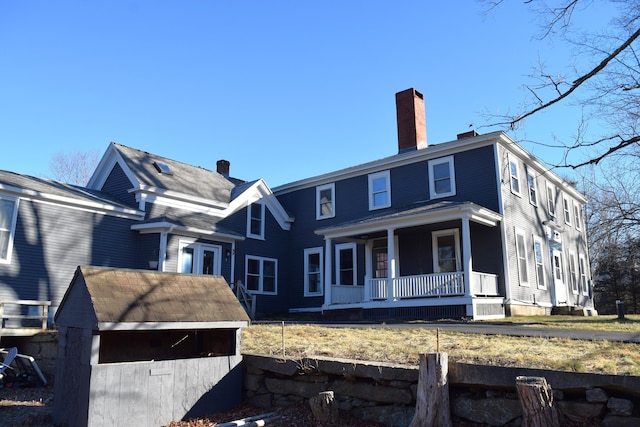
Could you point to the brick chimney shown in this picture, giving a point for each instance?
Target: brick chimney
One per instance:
(223, 167)
(412, 125)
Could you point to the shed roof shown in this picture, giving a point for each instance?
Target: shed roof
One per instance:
(111, 298)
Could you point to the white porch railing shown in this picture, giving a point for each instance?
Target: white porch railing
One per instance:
(418, 286)
(484, 284)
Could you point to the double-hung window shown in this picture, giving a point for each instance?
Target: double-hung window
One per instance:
(261, 275)
(539, 260)
(325, 201)
(379, 190)
(551, 199)
(515, 175)
(577, 217)
(8, 215)
(346, 266)
(583, 274)
(573, 274)
(442, 181)
(566, 208)
(521, 253)
(533, 188)
(255, 221)
(313, 272)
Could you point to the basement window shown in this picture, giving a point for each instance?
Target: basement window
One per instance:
(173, 344)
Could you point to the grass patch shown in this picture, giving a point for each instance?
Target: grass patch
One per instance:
(403, 345)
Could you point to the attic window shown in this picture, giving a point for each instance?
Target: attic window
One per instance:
(163, 168)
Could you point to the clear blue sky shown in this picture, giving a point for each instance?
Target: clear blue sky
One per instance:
(284, 90)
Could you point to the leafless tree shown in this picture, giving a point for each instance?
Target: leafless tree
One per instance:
(74, 168)
(605, 86)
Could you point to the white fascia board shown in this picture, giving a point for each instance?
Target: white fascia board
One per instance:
(179, 200)
(156, 326)
(71, 203)
(105, 166)
(260, 191)
(159, 227)
(471, 211)
(427, 153)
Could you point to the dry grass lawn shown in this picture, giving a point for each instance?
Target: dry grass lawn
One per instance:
(402, 345)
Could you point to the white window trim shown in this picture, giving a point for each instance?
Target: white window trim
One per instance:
(262, 217)
(434, 246)
(261, 277)
(513, 160)
(583, 274)
(198, 251)
(452, 177)
(574, 276)
(519, 256)
(539, 279)
(307, 252)
(339, 248)
(387, 176)
(12, 227)
(319, 189)
(566, 209)
(530, 187)
(551, 201)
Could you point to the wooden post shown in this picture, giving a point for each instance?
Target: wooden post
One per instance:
(536, 399)
(323, 407)
(432, 401)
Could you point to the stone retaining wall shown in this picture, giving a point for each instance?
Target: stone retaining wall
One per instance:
(386, 392)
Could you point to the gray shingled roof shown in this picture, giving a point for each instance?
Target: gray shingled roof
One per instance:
(139, 296)
(188, 219)
(185, 178)
(49, 187)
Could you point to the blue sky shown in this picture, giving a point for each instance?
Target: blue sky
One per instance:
(284, 90)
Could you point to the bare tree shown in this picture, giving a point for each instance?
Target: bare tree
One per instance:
(74, 168)
(606, 86)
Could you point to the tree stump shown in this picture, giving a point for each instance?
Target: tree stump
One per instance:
(432, 401)
(536, 399)
(323, 407)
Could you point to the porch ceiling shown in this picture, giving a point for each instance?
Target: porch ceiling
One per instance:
(413, 216)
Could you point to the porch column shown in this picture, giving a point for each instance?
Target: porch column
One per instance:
(327, 272)
(467, 264)
(391, 264)
(368, 269)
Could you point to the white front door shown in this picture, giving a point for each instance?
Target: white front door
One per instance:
(558, 282)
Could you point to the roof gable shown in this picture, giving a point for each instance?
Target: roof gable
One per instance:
(121, 296)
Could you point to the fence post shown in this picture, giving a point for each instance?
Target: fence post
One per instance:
(536, 399)
(432, 401)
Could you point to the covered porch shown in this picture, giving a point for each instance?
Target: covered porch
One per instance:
(401, 270)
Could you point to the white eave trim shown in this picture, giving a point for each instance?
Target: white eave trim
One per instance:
(96, 207)
(144, 326)
(164, 226)
(260, 191)
(469, 210)
(174, 196)
(105, 167)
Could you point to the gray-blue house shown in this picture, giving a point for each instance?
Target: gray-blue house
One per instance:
(474, 227)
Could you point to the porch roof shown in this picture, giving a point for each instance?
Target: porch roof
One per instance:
(417, 214)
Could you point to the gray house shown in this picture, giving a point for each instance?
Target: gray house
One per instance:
(473, 227)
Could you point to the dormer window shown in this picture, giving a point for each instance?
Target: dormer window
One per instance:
(163, 168)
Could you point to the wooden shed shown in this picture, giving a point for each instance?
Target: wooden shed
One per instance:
(145, 348)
